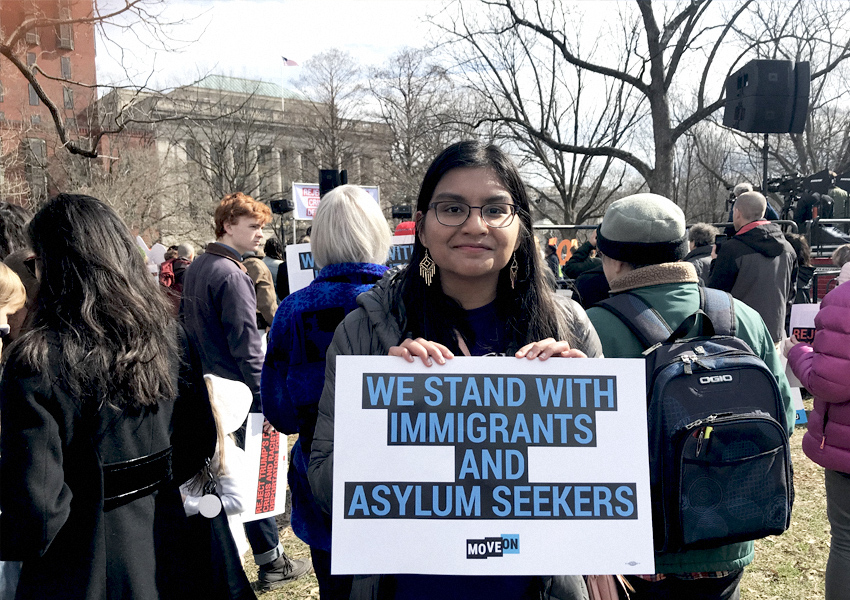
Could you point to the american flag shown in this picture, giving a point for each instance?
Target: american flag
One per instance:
(289, 63)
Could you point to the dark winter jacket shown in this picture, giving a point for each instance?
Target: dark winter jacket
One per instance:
(591, 287)
(700, 258)
(219, 309)
(672, 290)
(759, 268)
(824, 369)
(56, 450)
(580, 261)
(805, 274)
(371, 330)
(294, 375)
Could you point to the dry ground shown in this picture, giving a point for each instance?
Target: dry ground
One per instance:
(787, 567)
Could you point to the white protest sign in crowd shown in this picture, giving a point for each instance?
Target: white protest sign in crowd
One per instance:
(267, 459)
(802, 327)
(306, 197)
(302, 270)
(491, 466)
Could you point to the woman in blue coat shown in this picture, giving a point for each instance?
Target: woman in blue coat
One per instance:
(350, 243)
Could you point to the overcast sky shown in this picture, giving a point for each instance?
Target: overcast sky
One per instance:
(246, 38)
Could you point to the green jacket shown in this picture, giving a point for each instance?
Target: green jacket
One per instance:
(673, 292)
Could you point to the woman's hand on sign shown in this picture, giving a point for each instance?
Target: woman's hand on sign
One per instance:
(423, 349)
(789, 343)
(549, 347)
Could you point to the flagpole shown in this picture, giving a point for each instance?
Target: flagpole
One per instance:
(282, 89)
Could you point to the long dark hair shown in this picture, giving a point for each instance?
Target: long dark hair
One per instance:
(13, 226)
(100, 306)
(529, 309)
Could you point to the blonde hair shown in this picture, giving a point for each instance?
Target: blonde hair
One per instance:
(841, 255)
(349, 227)
(12, 290)
(197, 483)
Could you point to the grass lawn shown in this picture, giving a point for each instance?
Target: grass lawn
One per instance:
(790, 566)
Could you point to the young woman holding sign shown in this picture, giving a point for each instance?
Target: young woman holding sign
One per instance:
(475, 286)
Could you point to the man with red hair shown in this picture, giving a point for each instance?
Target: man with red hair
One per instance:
(219, 312)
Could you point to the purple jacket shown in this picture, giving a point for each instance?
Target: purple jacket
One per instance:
(824, 370)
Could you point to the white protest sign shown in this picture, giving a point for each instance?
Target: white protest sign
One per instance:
(266, 457)
(306, 197)
(302, 270)
(491, 466)
(154, 256)
(802, 322)
(802, 326)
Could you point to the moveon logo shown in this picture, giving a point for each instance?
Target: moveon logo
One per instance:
(715, 379)
(493, 546)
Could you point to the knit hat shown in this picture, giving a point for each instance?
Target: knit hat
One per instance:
(643, 229)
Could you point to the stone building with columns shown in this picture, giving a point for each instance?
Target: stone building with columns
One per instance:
(225, 134)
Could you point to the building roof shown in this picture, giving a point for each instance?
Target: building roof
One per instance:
(240, 85)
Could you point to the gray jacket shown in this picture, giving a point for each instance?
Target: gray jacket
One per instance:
(700, 258)
(373, 329)
(759, 268)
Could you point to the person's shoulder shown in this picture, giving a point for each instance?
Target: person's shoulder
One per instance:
(604, 320)
(750, 325)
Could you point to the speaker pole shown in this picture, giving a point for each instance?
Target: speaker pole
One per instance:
(764, 167)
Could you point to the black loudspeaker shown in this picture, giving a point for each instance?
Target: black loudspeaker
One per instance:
(331, 178)
(328, 180)
(402, 211)
(768, 96)
(281, 207)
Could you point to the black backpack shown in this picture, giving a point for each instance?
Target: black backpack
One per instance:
(720, 459)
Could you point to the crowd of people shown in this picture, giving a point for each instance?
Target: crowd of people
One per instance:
(124, 397)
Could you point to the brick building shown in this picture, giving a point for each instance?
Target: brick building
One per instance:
(43, 36)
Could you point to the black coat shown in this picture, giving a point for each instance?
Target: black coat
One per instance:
(54, 448)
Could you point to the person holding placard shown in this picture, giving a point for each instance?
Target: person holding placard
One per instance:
(823, 369)
(475, 285)
(351, 240)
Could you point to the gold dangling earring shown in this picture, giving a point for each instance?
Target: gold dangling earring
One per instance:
(427, 268)
(514, 271)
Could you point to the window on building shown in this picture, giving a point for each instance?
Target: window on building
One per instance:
(35, 119)
(71, 123)
(32, 38)
(30, 59)
(265, 162)
(35, 163)
(33, 96)
(68, 97)
(65, 64)
(65, 33)
(309, 166)
(2, 92)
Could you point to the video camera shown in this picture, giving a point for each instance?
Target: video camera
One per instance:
(819, 183)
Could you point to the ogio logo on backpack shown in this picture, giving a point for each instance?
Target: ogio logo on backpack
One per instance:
(715, 379)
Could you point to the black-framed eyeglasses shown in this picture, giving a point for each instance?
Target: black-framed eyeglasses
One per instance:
(455, 214)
